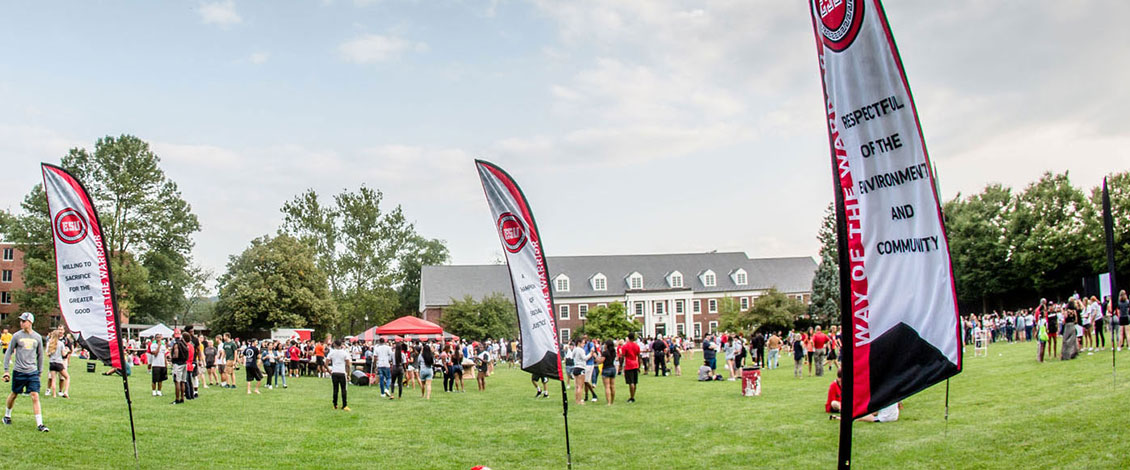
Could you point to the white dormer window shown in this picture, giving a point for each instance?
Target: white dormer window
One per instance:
(599, 282)
(675, 279)
(739, 277)
(635, 281)
(562, 283)
(708, 278)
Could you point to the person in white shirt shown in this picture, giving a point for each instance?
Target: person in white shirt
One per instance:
(340, 363)
(155, 358)
(383, 355)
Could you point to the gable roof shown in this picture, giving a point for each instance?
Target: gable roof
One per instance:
(440, 284)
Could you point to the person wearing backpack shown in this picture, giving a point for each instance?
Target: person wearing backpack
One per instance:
(179, 356)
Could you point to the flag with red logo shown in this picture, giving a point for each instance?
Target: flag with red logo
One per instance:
(904, 333)
(529, 275)
(86, 291)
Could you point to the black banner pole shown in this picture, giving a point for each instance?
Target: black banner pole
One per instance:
(565, 412)
(846, 353)
(1108, 228)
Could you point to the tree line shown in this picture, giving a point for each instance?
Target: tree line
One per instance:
(1009, 248)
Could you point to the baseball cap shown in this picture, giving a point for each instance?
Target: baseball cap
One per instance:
(27, 316)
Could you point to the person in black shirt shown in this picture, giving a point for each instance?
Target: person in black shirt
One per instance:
(251, 365)
(608, 371)
(659, 354)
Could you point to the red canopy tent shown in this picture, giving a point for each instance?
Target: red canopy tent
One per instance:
(411, 328)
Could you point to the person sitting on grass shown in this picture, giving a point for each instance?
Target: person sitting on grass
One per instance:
(832, 405)
(704, 372)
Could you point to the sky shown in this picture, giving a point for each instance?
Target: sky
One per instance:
(634, 126)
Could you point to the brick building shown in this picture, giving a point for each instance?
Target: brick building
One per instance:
(670, 294)
(11, 280)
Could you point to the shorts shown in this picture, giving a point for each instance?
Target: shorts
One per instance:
(810, 353)
(457, 369)
(294, 364)
(426, 373)
(319, 361)
(632, 376)
(160, 374)
(25, 382)
(55, 367)
(608, 372)
(253, 374)
(578, 371)
(1124, 321)
(221, 367)
(1052, 334)
(180, 372)
(212, 365)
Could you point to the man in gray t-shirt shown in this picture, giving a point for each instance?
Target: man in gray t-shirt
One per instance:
(26, 349)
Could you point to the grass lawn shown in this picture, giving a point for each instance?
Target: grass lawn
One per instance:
(1006, 411)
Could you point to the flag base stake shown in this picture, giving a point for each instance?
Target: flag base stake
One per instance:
(565, 413)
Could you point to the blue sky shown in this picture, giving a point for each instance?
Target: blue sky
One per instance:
(634, 126)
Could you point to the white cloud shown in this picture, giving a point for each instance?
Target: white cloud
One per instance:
(219, 13)
(371, 48)
(259, 57)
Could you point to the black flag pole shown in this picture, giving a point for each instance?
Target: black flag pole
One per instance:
(565, 413)
(847, 402)
(1108, 228)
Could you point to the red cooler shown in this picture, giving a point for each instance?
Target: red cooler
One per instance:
(751, 381)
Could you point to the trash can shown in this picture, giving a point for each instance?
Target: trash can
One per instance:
(751, 381)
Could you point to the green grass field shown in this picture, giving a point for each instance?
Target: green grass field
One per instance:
(1006, 411)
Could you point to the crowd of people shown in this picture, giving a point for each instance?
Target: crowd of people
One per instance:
(1063, 329)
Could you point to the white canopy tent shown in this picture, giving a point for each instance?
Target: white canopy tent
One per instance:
(158, 329)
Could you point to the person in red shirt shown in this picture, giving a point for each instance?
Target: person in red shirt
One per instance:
(295, 359)
(832, 405)
(820, 343)
(630, 352)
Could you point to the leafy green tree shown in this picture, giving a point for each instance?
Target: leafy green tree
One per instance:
(31, 231)
(977, 227)
(418, 253)
(273, 284)
(1046, 236)
(609, 322)
(1119, 186)
(825, 306)
(731, 317)
(493, 317)
(775, 311)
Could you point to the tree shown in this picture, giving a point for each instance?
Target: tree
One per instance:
(731, 317)
(1046, 236)
(493, 317)
(418, 253)
(609, 322)
(31, 231)
(372, 257)
(825, 306)
(1118, 184)
(775, 310)
(977, 227)
(273, 284)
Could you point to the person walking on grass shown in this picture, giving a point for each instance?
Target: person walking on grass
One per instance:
(457, 369)
(820, 342)
(156, 363)
(251, 366)
(384, 367)
(1122, 308)
(426, 365)
(58, 381)
(399, 362)
(227, 376)
(630, 352)
(481, 363)
(25, 356)
(339, 362)
(578, 370)
(608, 372)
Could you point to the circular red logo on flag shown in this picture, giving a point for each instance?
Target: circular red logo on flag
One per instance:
(513, 232)
(839, 21)
(70, 226)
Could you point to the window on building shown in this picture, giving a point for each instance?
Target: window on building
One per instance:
(713, 327)
(741, 279)
(681, 329)
(601, 305)
(9, 254)
(659, 308)
(563, 312)
(564, 335)
(5, 297)
(3, 318)
(697, 330)
(6, 276)
(635, 282)
(696, 306)
(582, 310)
(639, 309)
(712, 305)
(745, 303)
(599, 283)
(676, 280)
(679, 307)
(708, 280)
(562, 284)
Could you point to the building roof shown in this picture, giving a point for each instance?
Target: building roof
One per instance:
(440, 284)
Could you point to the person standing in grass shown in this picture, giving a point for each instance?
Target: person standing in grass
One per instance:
(58, 381)
(1123, 310)
(448, 370)
(630, 351)
(578, 370)
(798, 356)
(427, 364)
(774, 344)
(156, 363)
(339, 364)
(710, 353)
(179, 357)
(457, 368)
(383, 355)
(251, 365)
(608, 371)
(396, 379)
(25, 356)
(481, 362)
